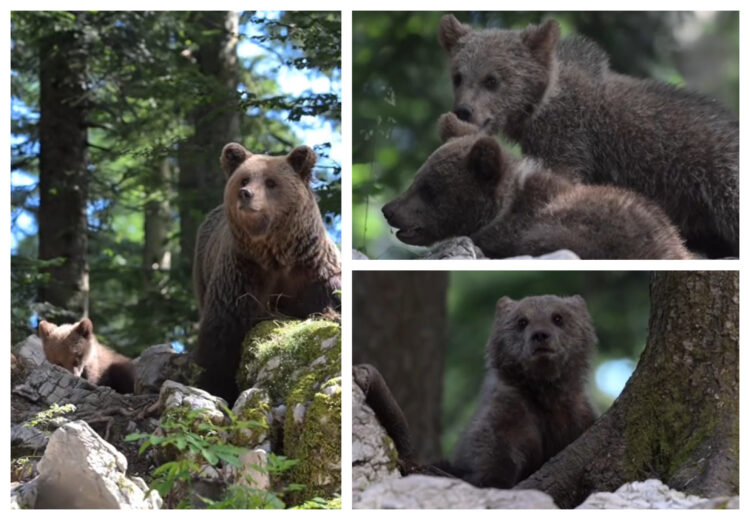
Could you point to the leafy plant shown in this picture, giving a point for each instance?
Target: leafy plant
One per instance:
(52, 415)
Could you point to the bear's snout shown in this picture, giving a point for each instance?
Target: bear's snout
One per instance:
(463, 112)
(246, 194)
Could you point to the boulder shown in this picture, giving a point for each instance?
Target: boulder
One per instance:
(157, 364)
(649, 494)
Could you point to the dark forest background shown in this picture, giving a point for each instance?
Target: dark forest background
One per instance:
(401, 86)
(117, 122)
(426, 332)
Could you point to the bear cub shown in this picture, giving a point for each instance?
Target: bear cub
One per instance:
(470, 187)
(76, 349)
(264, 253)
(560, 101)
(533, 400)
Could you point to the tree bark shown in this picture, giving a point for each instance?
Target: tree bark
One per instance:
(157, 224)
(678, 417)
(399, 326)
(215, 119)
(63, 178)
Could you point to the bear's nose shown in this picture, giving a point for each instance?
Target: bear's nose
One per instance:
(246, 194)
(388, 211)
(463, 113)
(540, 336)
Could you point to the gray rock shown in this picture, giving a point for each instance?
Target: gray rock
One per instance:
(560, 254)
(356, 255)
(374, 457)
(460, 248)
(423, 492)
(177, 395)
(23, 496)
(649, 494)
(29, 351)
(158, 364)
(26, 439)
(719, 503)
(253, 472)
(79, 470)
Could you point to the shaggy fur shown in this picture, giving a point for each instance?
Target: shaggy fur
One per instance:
(534, 400)
(264, 253)
(560, 101)
(76, 349)
(509, 207)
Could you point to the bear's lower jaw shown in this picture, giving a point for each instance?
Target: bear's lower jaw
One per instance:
(413, 236)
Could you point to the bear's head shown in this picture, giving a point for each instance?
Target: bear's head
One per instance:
(68, 346)
(454, 191)
(498, 76)
(541, 338)
(264, 192)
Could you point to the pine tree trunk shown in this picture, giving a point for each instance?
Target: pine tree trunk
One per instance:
(215, 121)
(63, 179)
(678, 417)
(157, 224)
(399, 326)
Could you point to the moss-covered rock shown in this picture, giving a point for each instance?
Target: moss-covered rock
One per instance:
(252, 409)
(298, 364)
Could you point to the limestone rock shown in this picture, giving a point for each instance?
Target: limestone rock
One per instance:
(178, 398)
(79, 470)
(29, 351)
(374, 456)
(460, 248)
(649, 494)
(423, 492)
(357, 255)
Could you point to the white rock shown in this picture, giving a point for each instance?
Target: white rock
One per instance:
(649, 494)
(175, 394)
(254, 471)
(423, 492)
(80, 470)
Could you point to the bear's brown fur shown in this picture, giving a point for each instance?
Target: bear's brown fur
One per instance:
(511, 207)
(264, 253)
(534, 400)
(75, 348)
(560, 101)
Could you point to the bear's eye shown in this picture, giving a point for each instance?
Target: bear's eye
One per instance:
(244, 181)
(557, 319)
(490, 82)
(270, 184)
(457, 79)
(522, 322)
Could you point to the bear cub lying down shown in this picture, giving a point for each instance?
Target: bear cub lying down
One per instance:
(470, 187)
(75, 348)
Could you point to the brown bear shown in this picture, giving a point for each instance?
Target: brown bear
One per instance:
(264, 253)
(533, 401)
(508, 207)
(76, 349)
(560, 101)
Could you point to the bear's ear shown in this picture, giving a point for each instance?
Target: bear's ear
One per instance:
(46, 328)
(450, 31)
(302, 159)
(486, 159)
(503, 305)
(232, 156)
(85, 328)
(541, 40)
(578, 301)
(449, 126)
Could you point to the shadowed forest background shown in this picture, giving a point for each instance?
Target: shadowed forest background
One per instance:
(117, 123)
(428, 330)
(401, 86)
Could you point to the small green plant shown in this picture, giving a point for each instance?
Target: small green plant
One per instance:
(51, 416)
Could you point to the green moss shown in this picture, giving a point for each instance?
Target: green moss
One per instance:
(316, 440)
(255, 413)
(274, 350)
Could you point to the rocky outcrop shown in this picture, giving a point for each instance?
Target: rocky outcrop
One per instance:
(653, 494)
(158, 364)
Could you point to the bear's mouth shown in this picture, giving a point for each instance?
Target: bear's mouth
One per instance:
(413, 236)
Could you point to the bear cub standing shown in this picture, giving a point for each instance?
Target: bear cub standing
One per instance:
(560, 101)
(509, 207)
(76, 349)
(534, 400)
(264, 253)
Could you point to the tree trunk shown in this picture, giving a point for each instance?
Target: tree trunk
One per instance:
(678, 417)
(63, 179)
(157, 224)
(399, 326)
(215, 119)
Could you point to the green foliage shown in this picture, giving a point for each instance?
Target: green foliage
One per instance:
(51, 416)
(401, 85)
